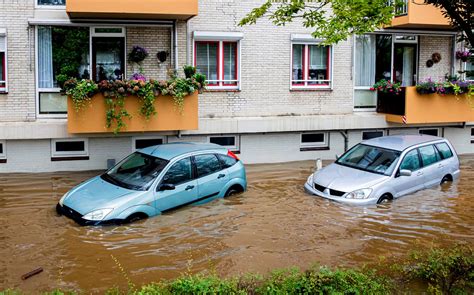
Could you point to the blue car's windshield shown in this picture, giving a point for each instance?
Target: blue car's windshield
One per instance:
(370, 158)
(135, 172)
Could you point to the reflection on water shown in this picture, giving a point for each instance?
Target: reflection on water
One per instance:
(274, 224)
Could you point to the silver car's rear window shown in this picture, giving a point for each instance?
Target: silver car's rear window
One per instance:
(371, 159)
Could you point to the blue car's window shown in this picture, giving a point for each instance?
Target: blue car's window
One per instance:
(444, 150)
(206, 164)
(135, 172)
(411, 161)
(429, 155)
(371, 159)
(179, 172)
(226, 160)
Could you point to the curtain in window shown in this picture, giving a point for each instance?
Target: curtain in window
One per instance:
(318, 62)
(365, 60)
(230, 52)
(408, 56)
(45, 58)
(206, 60)
(298, 50)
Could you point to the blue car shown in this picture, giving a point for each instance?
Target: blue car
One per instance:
(155, 180)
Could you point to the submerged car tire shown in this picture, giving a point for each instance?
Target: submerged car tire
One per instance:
(136, 217)
(446, 178)
(233, 191)
(384, 199)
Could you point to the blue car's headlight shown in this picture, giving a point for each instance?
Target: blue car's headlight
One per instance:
(61, 201)
(97, 215)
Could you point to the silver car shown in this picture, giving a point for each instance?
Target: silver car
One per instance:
(382, 169)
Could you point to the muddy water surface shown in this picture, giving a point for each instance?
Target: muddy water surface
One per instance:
(274, 224)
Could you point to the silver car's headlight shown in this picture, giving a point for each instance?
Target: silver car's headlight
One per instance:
(310, 179)
(97, 214)
(359, 194)
(61, 201)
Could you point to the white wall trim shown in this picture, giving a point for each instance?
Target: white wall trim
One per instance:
(217, 36)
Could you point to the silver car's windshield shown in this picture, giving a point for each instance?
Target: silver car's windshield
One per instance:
(135, 172)
(371, 159)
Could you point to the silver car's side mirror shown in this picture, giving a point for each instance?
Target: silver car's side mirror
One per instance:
(405, 172)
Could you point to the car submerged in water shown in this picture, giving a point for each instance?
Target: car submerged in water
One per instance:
(155, 180)
(384, 168)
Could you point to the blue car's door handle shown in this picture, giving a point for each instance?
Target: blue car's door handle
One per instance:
(220, 176)
(189, 187)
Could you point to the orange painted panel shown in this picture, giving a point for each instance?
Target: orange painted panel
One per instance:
(434, 108)
(126, 9)
(421, 16)
(91, 119)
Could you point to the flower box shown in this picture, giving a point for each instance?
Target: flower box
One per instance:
(92, 118)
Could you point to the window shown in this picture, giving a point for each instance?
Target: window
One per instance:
(219, 61)
(73, 149)
(469, 68)
(314, 141)
(3, 61)
(372, 134)
(3, 151)
(429, 155)
(411, 161)
(365, 61)
(429, 131)
(206, 164)
(230, 142)
(144, 142)
(51, 2)
(227, 161)
(311, 66)
(472, 135)
(108, 53)
(444, 150)
(63, 52)
(180, 172)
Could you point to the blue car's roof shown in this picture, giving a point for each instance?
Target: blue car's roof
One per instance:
(400, 142)
(172, 150)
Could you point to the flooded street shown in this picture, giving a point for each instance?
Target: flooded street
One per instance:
(274, 224)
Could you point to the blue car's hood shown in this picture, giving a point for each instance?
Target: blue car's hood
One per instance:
(97, 193)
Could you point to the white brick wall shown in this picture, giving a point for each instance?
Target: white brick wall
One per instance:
(428, 46)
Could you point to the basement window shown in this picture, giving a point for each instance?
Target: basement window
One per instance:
(429, 131)
(314, 141)
(372, 134)
(144, 142)
(229, 141)
(69, 149)
(472, 135)
(3, 151)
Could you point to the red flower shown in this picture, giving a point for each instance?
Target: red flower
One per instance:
(372, 89)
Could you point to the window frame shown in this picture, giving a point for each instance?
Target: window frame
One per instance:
(169, 165)
(3, 154)
(314, 146)
(55, 155)
(220, 82)
(195, 166)
(420, 161)
(135, 138)
(438, 156)
(304, 85)
(376, 130)
(49, 7)
(472, 134)
(434, 128)
(234, 148)
(3, 34)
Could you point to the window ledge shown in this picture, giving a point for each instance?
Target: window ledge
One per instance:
(319, 148)
(72, 158)
(302, 89)
(221, 90)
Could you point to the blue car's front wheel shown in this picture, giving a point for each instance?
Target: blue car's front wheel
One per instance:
(136, 217)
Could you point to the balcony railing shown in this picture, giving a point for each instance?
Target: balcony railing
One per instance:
(402, 9)
(410, 107)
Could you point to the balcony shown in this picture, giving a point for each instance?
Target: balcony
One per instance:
(92, 119)
(409, 107)
(126, 9)
(415, 15)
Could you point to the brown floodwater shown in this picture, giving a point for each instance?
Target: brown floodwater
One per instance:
(275, 224)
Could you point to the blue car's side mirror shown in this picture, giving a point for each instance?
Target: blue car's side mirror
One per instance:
(166, 187)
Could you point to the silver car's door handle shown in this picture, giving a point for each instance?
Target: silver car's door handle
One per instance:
(440, 165)
(189, 187)
(419, 173)
(220, 176)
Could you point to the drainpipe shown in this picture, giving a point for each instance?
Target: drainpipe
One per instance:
(345, 134)
(175, 45)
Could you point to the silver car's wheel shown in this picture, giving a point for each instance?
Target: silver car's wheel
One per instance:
(384, 199)
(445, 179)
